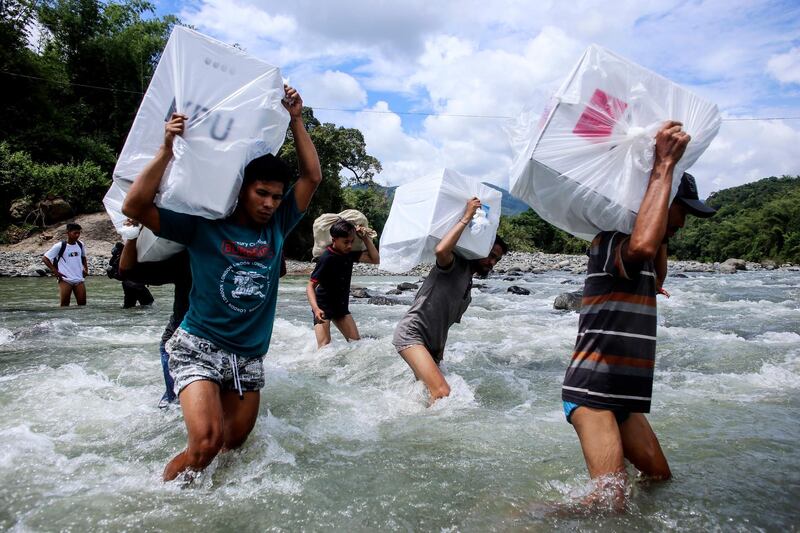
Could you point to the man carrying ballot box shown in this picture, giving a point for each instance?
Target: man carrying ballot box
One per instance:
(608, 385)
(216, 355)
(421, 334)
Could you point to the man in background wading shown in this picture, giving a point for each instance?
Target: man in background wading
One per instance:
(67, 261)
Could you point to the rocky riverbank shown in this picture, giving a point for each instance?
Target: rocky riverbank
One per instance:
(28, 263)
(25, 258)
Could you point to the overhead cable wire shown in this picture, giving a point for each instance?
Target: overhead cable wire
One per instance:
(372, 111)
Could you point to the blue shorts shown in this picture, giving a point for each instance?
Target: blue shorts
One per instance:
(619, 414)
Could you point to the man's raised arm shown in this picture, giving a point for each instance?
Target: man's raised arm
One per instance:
(444, 250)
(139, 202)
(310, 171)
(651, 221)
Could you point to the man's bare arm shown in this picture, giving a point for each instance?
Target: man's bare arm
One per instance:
(661, 265)
(310, 171)
(139, 202)
(311, 294)
(651, 222)
(444, 250)
(128, 259)
(51, 266)
(370, 255)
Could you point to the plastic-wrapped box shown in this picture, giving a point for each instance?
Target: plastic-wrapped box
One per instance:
(233, 102)
(424, 210)
(584, 167)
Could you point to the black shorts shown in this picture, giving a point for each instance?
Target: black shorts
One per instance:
(332, 313)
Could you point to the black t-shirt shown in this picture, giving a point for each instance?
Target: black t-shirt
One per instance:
(332, 274)
(174, 270)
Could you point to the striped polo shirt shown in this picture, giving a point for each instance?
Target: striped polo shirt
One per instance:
(612, 366)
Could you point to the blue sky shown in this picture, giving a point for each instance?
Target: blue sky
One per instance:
(497, 58)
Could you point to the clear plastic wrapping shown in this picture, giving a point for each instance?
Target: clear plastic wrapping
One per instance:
(424, 210)
(585, 164)
(233, 102)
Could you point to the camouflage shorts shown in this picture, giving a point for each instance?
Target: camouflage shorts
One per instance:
(192, 358)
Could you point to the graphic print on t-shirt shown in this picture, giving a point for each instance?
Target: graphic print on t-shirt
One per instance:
(244, 285)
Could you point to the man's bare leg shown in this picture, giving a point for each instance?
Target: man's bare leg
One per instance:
(426, 370)
(323, 333)
(80, 293)
(239, 417)
(347, 326)
(64, 293)
(202, 413)
(601, 443)
(642, 449)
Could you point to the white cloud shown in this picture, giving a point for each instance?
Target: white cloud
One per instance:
(239, 22)
(745, 151)
(331, 88)
(785, 67)
(468, 57)
(404, 157)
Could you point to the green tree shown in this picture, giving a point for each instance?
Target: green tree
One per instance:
(336, 147)
(76, 97)
(759, 220)
(527, 232)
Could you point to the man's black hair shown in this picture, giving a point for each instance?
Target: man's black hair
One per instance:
(72, 226)
(342, 228)
(267, 168)
(498, 241)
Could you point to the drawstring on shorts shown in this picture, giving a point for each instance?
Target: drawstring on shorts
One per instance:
(235, 368)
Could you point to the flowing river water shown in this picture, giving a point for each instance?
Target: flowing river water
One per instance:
(345, 441)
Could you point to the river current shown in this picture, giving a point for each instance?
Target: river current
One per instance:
(345, 440)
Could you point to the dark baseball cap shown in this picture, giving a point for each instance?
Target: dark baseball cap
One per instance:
(687, 194)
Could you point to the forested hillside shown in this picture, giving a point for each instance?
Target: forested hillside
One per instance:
(756, 221)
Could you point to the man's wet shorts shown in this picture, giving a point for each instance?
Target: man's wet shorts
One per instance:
(192, 358)
(619, 414)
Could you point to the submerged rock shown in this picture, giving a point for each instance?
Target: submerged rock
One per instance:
(514, 289)
(383, 300)
(568, 301)
(394, 291)
(405, 286)
(360, 292)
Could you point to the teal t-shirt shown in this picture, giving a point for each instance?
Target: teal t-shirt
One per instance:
(235, 273)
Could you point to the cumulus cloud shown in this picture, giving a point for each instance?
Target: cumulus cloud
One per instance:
(331, 89)
(745, 151)
(464, 57)
(785, 67)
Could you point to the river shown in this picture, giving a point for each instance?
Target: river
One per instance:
(345, 440)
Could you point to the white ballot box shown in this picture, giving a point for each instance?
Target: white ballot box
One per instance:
(585, 164)
(233, 102)
(424, 210)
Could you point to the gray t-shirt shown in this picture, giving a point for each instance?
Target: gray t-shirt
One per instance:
(439, 303)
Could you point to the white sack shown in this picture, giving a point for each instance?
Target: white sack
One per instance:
(424, 210)
(233, 102)
(322, 230)
(585, 166)
(148, 246)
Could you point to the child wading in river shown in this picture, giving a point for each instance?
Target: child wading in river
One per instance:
(328, 289)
